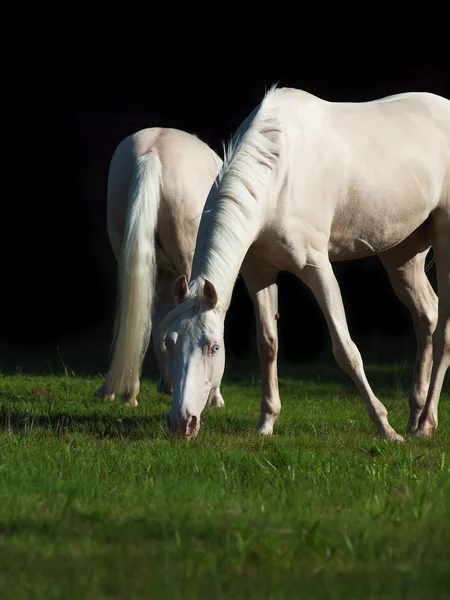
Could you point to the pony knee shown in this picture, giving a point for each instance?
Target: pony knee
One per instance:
(347, 356)
(427, 323)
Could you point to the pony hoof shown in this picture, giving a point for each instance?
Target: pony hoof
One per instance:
(217, 401)
(129, 401)
(266, 423)
(100, 393)
(424, 431)
(265, 430)
(392, 436)
(396, 437)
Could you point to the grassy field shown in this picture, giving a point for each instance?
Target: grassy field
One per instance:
(96, 502)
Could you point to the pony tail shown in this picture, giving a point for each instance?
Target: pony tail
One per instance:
(137, 277)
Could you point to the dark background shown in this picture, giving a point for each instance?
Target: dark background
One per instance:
(60, 269)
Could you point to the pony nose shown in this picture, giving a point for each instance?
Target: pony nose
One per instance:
(187, 426)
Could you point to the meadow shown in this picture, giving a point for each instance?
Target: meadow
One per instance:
(96, 501)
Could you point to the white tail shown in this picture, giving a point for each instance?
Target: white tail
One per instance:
(137, 275)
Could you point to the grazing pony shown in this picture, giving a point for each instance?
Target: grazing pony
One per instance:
(308, 182)
(158, 182)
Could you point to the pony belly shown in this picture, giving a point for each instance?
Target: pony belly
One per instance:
(350, 247)
(380, 227)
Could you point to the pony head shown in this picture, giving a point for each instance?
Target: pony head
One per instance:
(192, 339)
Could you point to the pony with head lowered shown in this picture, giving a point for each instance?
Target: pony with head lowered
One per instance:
(308, 182)
(158, 181)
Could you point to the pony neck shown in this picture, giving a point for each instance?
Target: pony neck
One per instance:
(224, 258)
(234, 210)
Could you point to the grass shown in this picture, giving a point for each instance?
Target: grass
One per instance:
(97, 502)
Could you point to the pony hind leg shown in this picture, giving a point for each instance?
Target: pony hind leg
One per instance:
(411, 284)
(263, 291)
(129, 398)
(323, 283)
(116, 228)
(440, 238)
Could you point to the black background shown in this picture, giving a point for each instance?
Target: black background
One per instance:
(59, 272)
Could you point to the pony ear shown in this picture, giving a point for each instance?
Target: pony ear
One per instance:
(210, 294)
(180, 289)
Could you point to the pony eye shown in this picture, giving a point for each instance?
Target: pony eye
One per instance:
(215, 349)
(170, 341)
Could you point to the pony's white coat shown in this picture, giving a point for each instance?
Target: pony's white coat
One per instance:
(308, 182)
(158, 182)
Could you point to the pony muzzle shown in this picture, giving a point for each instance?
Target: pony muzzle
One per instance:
(186, 426)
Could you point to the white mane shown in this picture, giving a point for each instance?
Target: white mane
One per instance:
(231, 216)
(240, 185)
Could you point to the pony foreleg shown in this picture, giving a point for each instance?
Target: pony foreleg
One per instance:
(325, 288)
(264, 295)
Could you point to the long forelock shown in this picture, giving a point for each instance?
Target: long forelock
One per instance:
(193, 301)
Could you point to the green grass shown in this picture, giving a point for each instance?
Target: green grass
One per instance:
(97, 502)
